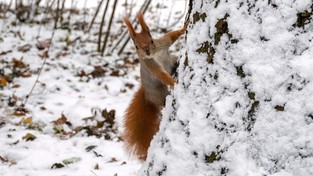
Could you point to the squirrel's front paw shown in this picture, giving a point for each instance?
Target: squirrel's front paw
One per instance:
(185, 26)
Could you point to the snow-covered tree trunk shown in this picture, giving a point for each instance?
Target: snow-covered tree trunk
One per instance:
(243, 104)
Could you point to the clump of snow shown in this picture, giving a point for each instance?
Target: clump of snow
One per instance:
(250, 111)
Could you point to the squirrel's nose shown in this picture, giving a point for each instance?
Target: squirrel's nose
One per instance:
(147, 51)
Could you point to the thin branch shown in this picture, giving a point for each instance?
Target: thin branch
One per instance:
(109, 28)
(45, 56)
(46, 16)
(8, 7)
(101, 26)
(178, 19)
(57, 15)
(62, 12)
(95, 15)
(170, 13)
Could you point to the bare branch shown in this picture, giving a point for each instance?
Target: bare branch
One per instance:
(101, 26)
(109, 28)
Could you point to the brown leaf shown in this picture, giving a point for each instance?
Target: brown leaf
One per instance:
(115, 73)
(19, 63)
(113, 160)
(100, 124)
(98, 72)
(3, 81)
(60, 121)
(26, 75)
(109, 116)
(19, 113)
(82, 73)
(97, 167)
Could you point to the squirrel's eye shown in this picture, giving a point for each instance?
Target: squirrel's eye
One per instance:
(136, 46)
(152, 41)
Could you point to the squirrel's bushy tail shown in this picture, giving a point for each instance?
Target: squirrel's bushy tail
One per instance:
(141, 123)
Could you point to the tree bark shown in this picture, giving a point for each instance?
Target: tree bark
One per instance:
(244, 93)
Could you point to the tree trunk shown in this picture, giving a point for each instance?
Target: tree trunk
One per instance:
(243, 104)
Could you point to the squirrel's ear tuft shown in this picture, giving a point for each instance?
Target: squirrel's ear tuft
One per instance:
(129, 27)
(142, 22)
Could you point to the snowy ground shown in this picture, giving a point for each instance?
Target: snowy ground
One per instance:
(71, 123)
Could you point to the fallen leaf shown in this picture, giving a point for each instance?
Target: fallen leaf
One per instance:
(71, 160)
(97, 167)
(82, 73)
(2, 123)
(60, 121)
(26, 75)
(19, 63)
(89, 148)
(57, 166)
(19, 113)
(109, 117)
(100, 124)
(58, 129)
(115, 73)
(98, 72)
(29, 137)
(113, 160)
(3, 81)
(5, 160)
(28, 120)
(5, 52)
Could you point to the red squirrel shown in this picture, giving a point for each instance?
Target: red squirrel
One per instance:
(142, 117)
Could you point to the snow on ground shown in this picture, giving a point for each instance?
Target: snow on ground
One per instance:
(72, 122)
(60, 90)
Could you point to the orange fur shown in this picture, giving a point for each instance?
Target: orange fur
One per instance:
(143, 114)
(141, 123)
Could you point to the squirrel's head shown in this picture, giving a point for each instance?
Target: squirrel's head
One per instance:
(142, 40)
